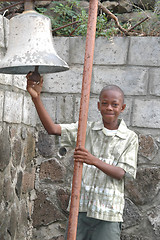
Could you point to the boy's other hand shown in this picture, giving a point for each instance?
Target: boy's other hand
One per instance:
(34, 88)
(82, 155)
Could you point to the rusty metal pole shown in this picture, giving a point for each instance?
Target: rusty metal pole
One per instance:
(83, 115)
(28, 5)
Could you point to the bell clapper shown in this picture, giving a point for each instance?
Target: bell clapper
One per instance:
(35, 76)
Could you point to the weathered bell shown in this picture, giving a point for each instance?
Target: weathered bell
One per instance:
(30, 45)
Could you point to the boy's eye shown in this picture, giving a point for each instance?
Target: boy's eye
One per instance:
(104, 103)
(115, 104)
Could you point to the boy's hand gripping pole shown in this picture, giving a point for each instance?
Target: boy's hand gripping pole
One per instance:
(83, 115)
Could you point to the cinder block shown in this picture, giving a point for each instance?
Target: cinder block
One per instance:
(2, 44)
(65, 106)
(2, 52)
(1, 104)
(77, 50)
(111, 51)
(29, 112)
(6, 32)
(146, 113)
(107, 51)
(144, 51)
(93, 113)
(6, 79)
(64, 82)
(61, 45)
(154, 81)
(127, 114)
(50, 106)
(20, 81)
(13, 107)
(132, 80)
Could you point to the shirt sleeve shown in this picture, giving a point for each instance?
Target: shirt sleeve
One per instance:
(69, 134)
(128, 160)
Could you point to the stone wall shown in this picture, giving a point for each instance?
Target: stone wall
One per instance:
(17, 153)
(28, 151)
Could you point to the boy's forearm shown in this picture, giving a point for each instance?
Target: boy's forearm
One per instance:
(46, 120)
(82, 155)
(112, 171)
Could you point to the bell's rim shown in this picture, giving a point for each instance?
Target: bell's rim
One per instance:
(43, 69)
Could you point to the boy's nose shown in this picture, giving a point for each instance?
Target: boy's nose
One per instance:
(109, 108)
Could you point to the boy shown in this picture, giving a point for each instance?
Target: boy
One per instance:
(110, 153)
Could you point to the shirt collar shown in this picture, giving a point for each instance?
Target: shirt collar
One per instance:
(122, 130)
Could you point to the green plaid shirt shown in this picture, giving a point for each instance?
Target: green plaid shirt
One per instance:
(102, 197)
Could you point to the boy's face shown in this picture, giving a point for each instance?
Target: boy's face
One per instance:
(111, 105)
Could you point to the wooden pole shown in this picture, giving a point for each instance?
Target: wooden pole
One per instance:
(83, 115)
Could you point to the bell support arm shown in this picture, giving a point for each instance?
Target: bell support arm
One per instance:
(28, 5)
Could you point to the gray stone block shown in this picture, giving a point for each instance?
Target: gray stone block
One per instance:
(46, 144)
(45, 212)
(144, 51)
(64, 82)
(145, 187)
(148, 147)
(5, 149)
(132, 215)
(13, 107)
(154, 81)
(146, 113)
(132, 80)
(13, 223)
(153, 217)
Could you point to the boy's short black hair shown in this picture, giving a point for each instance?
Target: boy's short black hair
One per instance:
(112, 87)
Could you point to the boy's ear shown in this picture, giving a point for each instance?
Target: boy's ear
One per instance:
(123, 107)
(98, 105)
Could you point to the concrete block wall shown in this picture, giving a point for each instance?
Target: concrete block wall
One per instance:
(130, 62)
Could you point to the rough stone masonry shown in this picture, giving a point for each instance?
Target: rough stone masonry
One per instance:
(35, 172)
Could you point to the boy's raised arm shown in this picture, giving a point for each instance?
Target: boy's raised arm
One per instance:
(34, 89)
